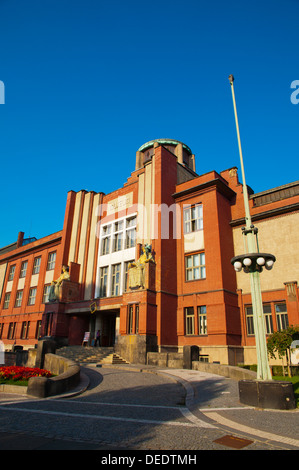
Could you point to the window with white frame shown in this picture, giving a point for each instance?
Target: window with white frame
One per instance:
(115, 289)
(46, 293)
(51, 261)
(103, 281)
(19, 297)
(195, 267)
(202, 320)
(36, 265)
(24, 269)
(32, 296)
(193, 218)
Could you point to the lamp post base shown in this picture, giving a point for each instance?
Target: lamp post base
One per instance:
(273, 394)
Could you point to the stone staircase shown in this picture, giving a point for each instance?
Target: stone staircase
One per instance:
(90, 355)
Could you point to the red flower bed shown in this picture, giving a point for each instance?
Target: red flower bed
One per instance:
(22, 373)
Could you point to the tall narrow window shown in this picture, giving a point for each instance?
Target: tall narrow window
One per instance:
(19, 297)
(131, 232)
(118, 235)
(11, 330)
(136, 319)
(24, 269)
(115, 279)
(202, 320)
(189, 317)
(130, 320)
(268, 318)
(249, 321)
(32, 296)
(36, 265)
(25, 329)
(103, 281)
(11, 272)
(6, 300)
(281, 316)
(46, 293)
(51, 261)
(106, 237)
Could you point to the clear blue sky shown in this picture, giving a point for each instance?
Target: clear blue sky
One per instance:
(87, 82)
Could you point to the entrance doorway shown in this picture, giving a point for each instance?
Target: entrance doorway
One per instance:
(107, 321)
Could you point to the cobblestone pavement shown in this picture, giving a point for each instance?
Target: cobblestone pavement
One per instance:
(139, 408)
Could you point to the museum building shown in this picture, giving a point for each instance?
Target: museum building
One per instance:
(149, 264)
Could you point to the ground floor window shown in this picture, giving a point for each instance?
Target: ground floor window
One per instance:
(25, 329)
(202, 320)
(133, 319)
(281, 317)
(11, 330)
(189, 317)
(191, 327)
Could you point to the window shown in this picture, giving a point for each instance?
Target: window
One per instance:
(36, 265)
(249, 321)
(103, 281)
(137, 319)
(11, 272)
(32, 295)
(38, 329)
(189, 316)
(130, 320)
(115, 279)
(46, 293)
(11, 330)
(118, 235)
(126, 275)
(193, 219)
(106, 234)
(131, 232)
(19, 297)
(25, 329)
(6, 300)
(281, 316)
(202, 320)
(195, 267)
(268, 318)
(24, 269)
(133, 327)
(1, 329)
(51, 261)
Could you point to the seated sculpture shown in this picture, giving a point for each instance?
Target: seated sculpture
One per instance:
(55, 285)
(136, 269)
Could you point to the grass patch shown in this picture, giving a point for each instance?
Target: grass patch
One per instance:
(22, 383)
(295, 382)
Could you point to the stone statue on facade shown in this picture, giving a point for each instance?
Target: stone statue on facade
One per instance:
(136, 269)
(55, 285)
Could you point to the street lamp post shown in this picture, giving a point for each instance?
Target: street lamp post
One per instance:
(253, 262)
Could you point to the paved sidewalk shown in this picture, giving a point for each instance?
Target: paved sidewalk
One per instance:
(217, 398)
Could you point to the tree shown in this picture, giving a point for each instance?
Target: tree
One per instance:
(280, 342)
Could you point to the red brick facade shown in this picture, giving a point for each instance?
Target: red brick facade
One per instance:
(191, 293)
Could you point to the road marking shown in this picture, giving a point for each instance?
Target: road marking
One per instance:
(100, 417)
(246, 429)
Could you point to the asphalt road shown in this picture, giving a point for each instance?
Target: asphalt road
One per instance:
(126, 409)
